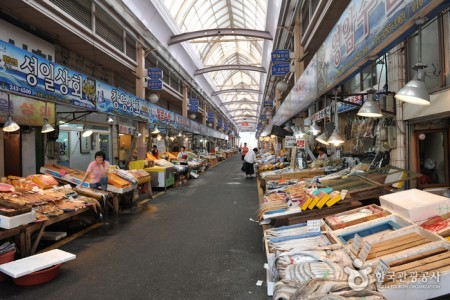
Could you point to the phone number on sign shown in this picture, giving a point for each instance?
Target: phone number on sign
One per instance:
(19, 89)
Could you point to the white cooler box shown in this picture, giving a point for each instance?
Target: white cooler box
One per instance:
(416, 205)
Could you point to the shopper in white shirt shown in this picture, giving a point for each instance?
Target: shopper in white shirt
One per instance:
(249, 161)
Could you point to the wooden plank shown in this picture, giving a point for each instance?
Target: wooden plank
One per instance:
(421, 262)
(389, 242)
(417, 256)
(398, 248)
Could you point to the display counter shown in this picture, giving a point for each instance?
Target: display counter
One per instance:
(161, 177)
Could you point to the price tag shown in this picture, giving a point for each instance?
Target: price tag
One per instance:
(365, 251)
(381, 270)
(357, 240)
(313, 225)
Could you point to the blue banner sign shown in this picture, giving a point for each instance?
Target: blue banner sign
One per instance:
(268, 103)
(281, 69)
(28, 74)
(117, 101)
(280, 55)
(155, 73)
(211, 116)
(193, 104)
(155, 84)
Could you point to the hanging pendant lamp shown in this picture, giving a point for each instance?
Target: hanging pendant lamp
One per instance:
(10, 125)
(415, 91)
(322, 138)
(370, 108)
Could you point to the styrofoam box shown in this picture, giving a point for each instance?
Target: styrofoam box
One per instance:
(15, 221)
(415, 205)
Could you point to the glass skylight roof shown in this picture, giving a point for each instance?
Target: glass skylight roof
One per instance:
(192, 15)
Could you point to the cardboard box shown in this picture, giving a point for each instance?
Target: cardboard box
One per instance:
(415, 205)
(16, 221)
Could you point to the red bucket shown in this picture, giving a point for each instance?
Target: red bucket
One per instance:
(38, 277)
(6, 258)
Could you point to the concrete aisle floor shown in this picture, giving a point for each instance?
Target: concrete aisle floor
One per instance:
(192, 242)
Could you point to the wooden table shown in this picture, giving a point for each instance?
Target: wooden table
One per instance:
(28, 236)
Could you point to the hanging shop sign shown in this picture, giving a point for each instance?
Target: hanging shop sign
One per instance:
(155, 84)
(322, 114)
(210, 116)
(26, 111)
(343, 107)
(193, 104)
(301, 143)
(29, 74)
(155, 73)
(363, 26)
(268, 103)
(290, 141)
(280, 55)
(281, 69)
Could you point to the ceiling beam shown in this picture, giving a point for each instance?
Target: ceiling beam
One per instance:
(238, 102)
(218, 32)
(229, 91)
(229, 67)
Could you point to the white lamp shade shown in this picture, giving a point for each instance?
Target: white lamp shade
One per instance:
(335, 139)
(192, 116)
(87, 133)
(47, 127)
(370, 109)
(414, 92)
(322, 138)
(156, 130)
(10, 125)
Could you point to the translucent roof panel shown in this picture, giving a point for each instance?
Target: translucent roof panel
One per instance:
(192, 15)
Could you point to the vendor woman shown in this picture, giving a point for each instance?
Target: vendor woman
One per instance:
(98, 170)
(182, 155)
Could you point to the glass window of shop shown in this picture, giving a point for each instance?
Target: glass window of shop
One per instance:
(432, 42)
(373, 75)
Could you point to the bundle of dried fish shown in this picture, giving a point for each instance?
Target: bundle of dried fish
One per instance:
(271, 206)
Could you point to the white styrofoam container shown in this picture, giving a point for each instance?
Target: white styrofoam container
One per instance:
(15, 221)
(415, 205)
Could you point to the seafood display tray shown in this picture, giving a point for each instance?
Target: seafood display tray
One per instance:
(335, 224)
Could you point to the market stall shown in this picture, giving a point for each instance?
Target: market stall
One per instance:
(32, 204)
(117, 186)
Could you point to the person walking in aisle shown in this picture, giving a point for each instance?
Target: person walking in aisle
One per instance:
(99, 170)
(249, 161)
(244, 150)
